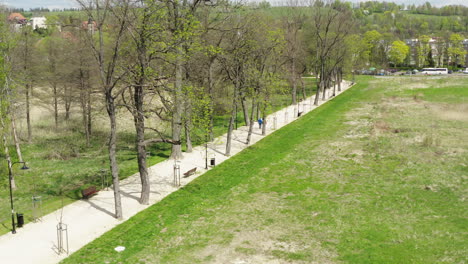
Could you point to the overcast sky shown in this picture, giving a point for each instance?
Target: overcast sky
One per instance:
(52, 4)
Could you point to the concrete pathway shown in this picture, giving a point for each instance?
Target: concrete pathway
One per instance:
(86, 220)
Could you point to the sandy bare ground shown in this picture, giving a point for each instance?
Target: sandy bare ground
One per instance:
(87, 220)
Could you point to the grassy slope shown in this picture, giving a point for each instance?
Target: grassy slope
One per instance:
(319, 190)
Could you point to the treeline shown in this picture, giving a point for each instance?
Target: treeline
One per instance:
(172, 65)
(400, 36)
(426, 8)
(42, 10)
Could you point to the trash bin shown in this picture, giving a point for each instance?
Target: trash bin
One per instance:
(212, 162)
(20, 220)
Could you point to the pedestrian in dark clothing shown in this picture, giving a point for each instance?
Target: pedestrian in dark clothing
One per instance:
(260, 122)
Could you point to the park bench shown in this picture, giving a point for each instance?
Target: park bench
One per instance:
(190, 172)
(89, 192)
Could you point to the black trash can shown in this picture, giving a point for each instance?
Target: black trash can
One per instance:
(20, 220)
(212, 162)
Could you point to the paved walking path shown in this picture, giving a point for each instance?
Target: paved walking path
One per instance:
(86, 220)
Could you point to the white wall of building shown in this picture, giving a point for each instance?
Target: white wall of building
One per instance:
(38, 22)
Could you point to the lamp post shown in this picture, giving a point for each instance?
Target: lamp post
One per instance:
(10, 177)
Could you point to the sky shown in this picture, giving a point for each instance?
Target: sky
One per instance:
(52, 4)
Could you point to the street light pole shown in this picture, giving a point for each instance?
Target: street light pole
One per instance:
(10, 179)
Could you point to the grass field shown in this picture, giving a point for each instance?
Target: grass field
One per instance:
(61, 164)
(377, 175)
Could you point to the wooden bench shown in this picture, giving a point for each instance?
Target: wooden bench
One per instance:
(86, 193)
(190, 172)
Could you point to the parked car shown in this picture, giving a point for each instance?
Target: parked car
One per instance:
(465, 71)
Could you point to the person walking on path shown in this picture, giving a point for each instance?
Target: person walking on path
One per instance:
(260, 122)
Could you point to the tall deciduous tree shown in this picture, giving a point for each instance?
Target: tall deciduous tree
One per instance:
(25, 64)
(293, 21)
(372, 39)
(144, 46)
(108, 59)
(456, 50)
(330, 28)
(182, 27)
(5, 98)
(398, 52)
(423, 50)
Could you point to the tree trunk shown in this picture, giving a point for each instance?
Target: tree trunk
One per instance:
(258, 112)
(231, 123)
(110, 105)
(28, 112)
(176, 152)
(245, 110)
(335, 78)
(334, 89)
(294, 82)
(188, 139)
(210, 92)
(304, 94)
(83, 104)
(319, 86)
(264, 120)
(252, 121)
(54, 87)
(139, 120)
(85, 120)
(68, 102)
(325, 87)
(15, 138)
(340, 79)
(88, 104)
(7, 154)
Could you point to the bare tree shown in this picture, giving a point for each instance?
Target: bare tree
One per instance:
(292, 22)
(182, 24)
(330, 26)
(4, 113)
(84, 79)
(107, 55)
(23, 61)
(233, 63)
(145, 30)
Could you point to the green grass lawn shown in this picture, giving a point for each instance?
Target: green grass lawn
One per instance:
(377, 175)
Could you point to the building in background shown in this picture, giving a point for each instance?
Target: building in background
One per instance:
(38, 22)
(438, 52)
(465, 44)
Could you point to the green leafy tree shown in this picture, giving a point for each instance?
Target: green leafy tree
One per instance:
(358, 55)
(456, 50)
(398, 52)
(201, 113)
(423, 50)
(372, 39)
